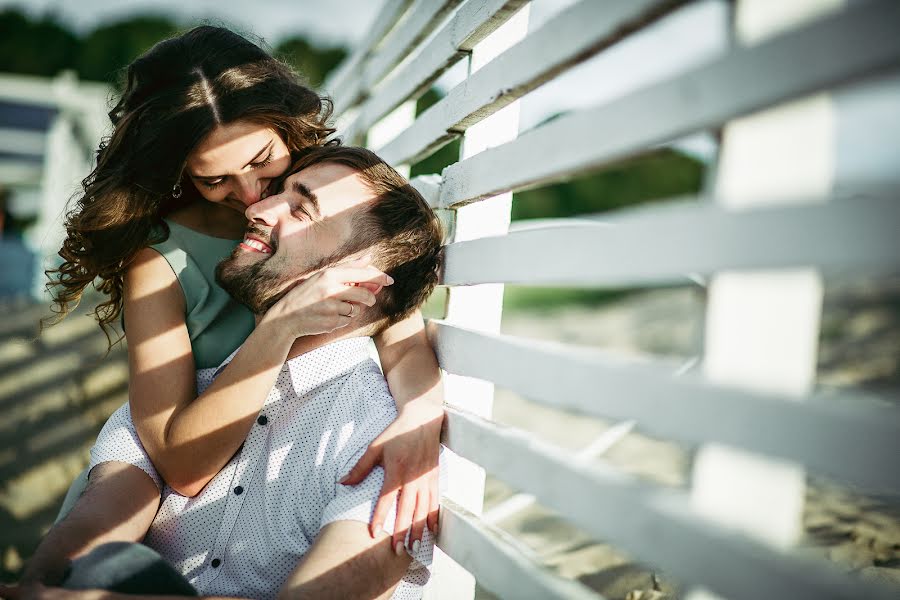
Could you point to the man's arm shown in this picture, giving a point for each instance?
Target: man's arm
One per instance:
(39, 592)
(346, 562)
(118, 504)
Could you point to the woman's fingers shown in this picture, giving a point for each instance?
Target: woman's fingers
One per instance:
(385, 504)
(360, 275)
(419, 516)
(434, 498)
(356, 295)
(363, 466)
(405, 509)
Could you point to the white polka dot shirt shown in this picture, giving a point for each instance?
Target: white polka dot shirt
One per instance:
(248, 529)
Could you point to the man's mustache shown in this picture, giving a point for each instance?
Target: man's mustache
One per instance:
(262, 235)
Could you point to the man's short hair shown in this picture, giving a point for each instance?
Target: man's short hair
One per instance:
(398, 228)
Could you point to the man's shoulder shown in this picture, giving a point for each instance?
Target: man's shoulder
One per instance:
(365, 390)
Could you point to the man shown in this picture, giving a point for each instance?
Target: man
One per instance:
(276, 520)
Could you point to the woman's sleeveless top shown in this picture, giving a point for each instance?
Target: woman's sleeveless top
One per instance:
(217, 324)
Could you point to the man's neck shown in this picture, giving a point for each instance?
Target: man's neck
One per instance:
(308, 343)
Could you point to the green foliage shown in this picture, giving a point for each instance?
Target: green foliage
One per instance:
(35, 47)
(658, 175)
(44, 46)
(110, 48)
(312, 62)
(442, 157)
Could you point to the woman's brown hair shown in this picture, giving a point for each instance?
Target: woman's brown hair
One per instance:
(174, 95)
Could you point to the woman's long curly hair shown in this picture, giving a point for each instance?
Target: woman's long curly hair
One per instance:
(174, 95)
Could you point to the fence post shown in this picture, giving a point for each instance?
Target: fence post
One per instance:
(762, 327)
(479, 306)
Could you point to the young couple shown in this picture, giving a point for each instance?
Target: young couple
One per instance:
(246, 456)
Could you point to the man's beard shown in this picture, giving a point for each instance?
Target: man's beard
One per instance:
(257, 286)
(262, 283)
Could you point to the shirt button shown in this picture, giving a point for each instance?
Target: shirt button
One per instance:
(215, 563)
(238, 490)
(262, 420)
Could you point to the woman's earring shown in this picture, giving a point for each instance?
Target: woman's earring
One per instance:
(176, 190)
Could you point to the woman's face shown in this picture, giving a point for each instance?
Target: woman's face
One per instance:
(236, 162)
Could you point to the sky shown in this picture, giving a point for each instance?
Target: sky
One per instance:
(689, 36)
(343, 22)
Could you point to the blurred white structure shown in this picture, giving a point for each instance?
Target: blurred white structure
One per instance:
(805, 96)
(49, 132)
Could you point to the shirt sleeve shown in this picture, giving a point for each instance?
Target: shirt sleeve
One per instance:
(375, 408)
(119, 442)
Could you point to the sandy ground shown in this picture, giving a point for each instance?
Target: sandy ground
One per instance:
(56, 393)
(860, 346)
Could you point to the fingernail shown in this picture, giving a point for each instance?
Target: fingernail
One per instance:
(344, 478)
(390, 279)
(399, 548)
(415, 546)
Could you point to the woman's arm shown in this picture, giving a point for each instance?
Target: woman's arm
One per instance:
(409, 448)
(190, 438)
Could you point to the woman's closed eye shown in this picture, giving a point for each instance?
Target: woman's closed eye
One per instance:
(263, 163)
(211, 185)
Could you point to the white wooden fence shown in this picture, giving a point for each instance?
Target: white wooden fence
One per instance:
(764, 238)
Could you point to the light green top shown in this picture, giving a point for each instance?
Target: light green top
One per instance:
(217, 324)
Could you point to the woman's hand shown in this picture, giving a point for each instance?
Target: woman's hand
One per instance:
(329, 299)
(408, 450)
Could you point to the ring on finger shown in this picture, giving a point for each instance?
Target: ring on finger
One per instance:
(350, 314)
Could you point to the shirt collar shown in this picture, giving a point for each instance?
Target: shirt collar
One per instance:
(322, 364)
(316, 367)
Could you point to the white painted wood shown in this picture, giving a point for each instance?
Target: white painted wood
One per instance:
(386, 128)
(21, 141)
(566, 40)
(599, 446)
(859, 41)
(423, 18)
(653, 523)
(500, 563)
(479, 307)
(762, 328)
(345, 84)
(663, 245)
(843, 437)
(846, 436)
(472, 23)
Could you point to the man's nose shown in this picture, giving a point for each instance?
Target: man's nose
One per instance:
(264, 211)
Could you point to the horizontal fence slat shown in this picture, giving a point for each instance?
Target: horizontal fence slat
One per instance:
(349, 71)
(429, 186)
(843, 437)
(498, 561)
(566, 40)
(474, 21)
(424, 16)
(664, 244)
(858, 41)
(653, 524)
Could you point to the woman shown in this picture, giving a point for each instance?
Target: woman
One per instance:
(207, 121)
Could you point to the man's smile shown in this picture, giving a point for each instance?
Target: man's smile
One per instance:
(254, 245)
(256, 239)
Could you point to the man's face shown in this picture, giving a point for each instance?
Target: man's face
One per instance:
(305, 228)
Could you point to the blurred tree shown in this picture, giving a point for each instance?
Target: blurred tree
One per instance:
(110, 48)
(657, 175)
(35, 46)
(444, 156)
(312, 62)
